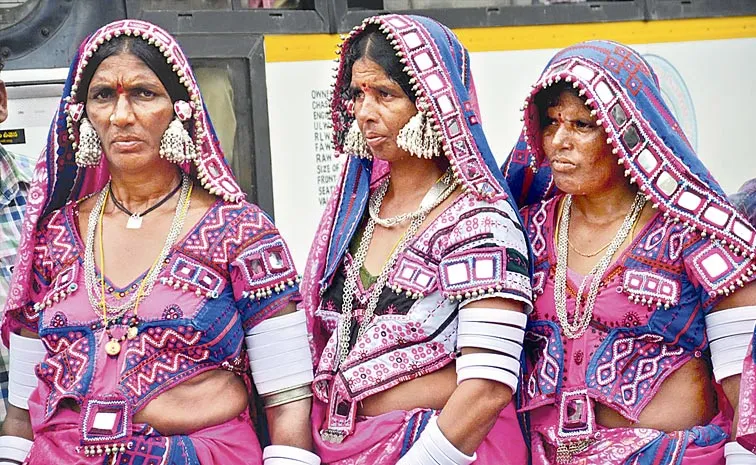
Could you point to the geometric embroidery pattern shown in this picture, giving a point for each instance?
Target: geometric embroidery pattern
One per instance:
(265, 265)
(545, 363)
(68, 371)
(536, 230)
(157, 356)
(191, 275)
(413, 274)
(473, 270)
(480, 252)
(651, 288)
(628, 367)
(716, 267)
(225, 231)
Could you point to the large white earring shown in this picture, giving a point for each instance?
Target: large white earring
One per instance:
(177, 145)
(89, 151)
(419, 138)
(355, 143)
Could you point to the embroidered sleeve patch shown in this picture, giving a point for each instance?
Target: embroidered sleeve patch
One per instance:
(262, 269)
(719, 270)
(472, 272)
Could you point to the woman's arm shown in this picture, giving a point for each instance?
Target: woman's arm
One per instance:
(281, 364)
(475, 405)
(16, 435)
(17, 421)
(731, 385)
(289, 423)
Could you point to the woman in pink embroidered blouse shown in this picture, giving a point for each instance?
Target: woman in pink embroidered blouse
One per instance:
(418, 282)
(148, 366)
(643, 273)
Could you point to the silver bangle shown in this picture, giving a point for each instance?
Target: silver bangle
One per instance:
(274, 399)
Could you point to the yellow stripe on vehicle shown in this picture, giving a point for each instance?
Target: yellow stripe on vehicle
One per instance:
(308, 47)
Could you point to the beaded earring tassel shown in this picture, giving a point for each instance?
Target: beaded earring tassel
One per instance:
(89, 151)
(355, 143)
(177, 145)
(419, 138)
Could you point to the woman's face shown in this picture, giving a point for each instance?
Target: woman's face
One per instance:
(381, 108)
(575, 146)
(130, 110)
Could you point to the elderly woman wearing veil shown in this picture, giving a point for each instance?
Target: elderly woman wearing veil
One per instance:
(116, 364)
(643, 273)
(418, 284)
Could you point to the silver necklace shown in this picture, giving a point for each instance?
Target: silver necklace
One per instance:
(440, 191)
(583, 314)
(93, 291)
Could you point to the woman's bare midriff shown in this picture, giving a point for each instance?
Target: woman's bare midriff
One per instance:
(208, 399)
(685, 399)
(428, 391)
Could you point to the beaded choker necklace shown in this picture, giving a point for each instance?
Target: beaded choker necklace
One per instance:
(108, 314)
(135, 219)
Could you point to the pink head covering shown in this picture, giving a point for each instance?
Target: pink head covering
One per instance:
(57, 179)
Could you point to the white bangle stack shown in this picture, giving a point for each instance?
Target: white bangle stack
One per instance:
(735, 454)
(730, 333)
(432, 448)
(288, 455)
(13, 450)
(494, 329)
(25, 354)
(280, 359)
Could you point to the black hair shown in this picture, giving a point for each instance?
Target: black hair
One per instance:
(549, 97)
(373, 45)
(149, 54)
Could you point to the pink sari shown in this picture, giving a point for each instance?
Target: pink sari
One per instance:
(700, 445)
(382, 440)
(226, 443)
(649, 314)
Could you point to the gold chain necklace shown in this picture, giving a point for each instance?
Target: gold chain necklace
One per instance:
(113, 346)
(585, 254)
(588, 254)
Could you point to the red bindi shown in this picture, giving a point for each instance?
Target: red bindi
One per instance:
(119, 89)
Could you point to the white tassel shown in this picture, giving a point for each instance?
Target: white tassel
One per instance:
(419, 138)
(176, 145)
(355, 143)
(90, 148)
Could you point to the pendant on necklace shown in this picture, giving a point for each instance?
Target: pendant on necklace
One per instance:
(132, 332)
(113, 347)
(135, 222)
